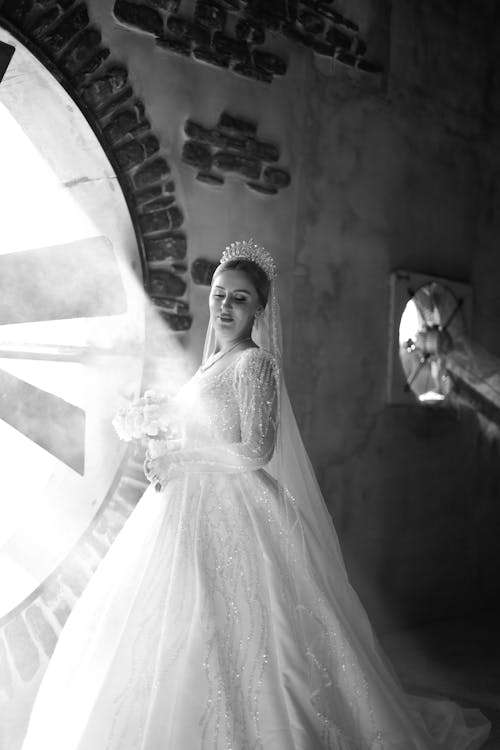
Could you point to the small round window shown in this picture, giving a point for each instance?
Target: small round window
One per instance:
(431, 320)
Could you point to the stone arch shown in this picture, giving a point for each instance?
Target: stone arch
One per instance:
(65, 40)
(62, 36)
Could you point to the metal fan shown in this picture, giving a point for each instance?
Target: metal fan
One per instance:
(430, 322)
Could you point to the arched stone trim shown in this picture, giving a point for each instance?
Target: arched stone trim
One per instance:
(29, 633)
(61, 35)
(65, 40)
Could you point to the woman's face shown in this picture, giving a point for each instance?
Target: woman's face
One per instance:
(233, 303)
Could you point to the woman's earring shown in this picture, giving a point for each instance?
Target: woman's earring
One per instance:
(258, 314)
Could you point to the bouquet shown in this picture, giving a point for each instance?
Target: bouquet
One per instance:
(148, 420)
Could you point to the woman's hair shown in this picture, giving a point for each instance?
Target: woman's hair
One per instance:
(255, 273)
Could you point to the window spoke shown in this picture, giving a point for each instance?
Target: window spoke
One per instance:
(79, 279)
(47, 420)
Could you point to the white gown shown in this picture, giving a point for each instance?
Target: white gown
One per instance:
(207, 628)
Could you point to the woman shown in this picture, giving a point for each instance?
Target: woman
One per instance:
(222, 618)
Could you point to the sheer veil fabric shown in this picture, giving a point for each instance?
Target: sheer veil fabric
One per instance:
(222, 617)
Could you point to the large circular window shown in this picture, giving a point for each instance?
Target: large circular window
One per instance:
(71, 324)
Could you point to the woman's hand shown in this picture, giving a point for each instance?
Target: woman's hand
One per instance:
(159, 469)
(157, 447)
(156, 471)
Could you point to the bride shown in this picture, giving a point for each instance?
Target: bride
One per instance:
(222, 617)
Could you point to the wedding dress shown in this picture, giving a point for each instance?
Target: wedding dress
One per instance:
(222, 617)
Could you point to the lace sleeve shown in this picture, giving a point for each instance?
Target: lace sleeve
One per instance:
(255, 384)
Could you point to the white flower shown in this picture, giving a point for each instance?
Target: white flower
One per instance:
(147, 417)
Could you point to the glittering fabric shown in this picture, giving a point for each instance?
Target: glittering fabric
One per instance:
(229, 419)
(207, 627)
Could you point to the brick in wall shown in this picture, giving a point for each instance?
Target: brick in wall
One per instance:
(232, 147)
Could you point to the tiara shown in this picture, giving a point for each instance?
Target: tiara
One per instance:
(249, 250)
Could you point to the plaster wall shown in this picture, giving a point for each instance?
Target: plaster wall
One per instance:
(401, 180)
(393, 173)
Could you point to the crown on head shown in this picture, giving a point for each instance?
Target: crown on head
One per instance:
(249, 250)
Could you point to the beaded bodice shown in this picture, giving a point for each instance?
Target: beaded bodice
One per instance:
(212, 411)
(228, 418)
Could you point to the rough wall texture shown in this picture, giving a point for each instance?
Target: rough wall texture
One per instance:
(401, 181)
